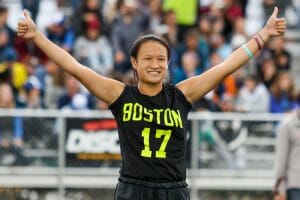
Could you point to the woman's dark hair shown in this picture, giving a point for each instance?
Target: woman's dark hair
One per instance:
(146, 38)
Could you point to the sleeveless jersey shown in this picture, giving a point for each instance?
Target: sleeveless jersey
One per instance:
(152, 132)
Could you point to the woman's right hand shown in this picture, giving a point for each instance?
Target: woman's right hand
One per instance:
(26, 27)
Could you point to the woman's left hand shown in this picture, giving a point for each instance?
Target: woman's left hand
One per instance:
(275, 26)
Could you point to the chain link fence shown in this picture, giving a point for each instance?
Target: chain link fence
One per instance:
(49, 154)
(28, 141)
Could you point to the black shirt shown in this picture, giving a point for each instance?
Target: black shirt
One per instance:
(152, 132)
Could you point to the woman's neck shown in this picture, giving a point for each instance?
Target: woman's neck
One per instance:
(150, 90)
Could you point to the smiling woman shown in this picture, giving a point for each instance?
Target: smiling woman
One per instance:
(149, 57)
(152, 115)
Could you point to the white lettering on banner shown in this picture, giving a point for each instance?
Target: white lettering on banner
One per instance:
(80, 141)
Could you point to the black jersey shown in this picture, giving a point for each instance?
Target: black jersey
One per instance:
(152, 132)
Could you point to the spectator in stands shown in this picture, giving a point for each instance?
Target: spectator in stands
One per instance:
(53, 85)
(283, 97)
(33, 93)
(97, 52)
(192, 43)
(253, 16)
(232, 11)
(298, 98)
(60, 32)
(11, 135)
(32, 6)
(205, 30)
(228, 87)
(15, 74)
(239, 35)
(189, 67)
(267, 72)
(156, 17)
(281, 56)
(219, 44)
(296, 4)
(186, 14)
(73, 98)
(171, 36)
(7, 35)
(253, 96)
(88, 10)
(287, 158)
(135, 20)
(269, 5)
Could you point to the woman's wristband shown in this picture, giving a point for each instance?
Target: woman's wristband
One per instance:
(261, 38)
(248, 52)
(257, 42)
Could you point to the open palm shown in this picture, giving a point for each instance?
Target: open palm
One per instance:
(275, 26)
(26, 27)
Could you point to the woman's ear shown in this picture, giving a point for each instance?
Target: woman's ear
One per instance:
(133, 62)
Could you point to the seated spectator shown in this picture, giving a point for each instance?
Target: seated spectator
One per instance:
(219, 44)
(232, 12)
(32, 6)
(87, 10)
(135, 20)
(53, 85)
(267, 72)
(171, 37)
(283, 97)
(156, 17)
(60, 33)
(97, 52)
(15, 74)
(239, 36)
(7, 35)
(193, 43)
(205, 29)
(280, 54)
(189, 67)
(186, 12)
(253, 96)
(11, 131)
(73, 98)
(33, 92)
(227, 87)
(254, 15)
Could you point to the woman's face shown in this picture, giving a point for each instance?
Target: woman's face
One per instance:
(6, 96)
(151, 63)
(92, 4)
(285, 82)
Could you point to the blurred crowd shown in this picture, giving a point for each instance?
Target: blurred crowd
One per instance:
(100, 33)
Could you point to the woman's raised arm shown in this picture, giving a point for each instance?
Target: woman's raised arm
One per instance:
(196, 87)
(106, 89)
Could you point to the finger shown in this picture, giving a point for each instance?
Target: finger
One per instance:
(20, 34)
(21, 23)
(280, 25)
(26, 14)
(281, 31)
(23, 26)
(275, 12)
(281, 19)
(22, 29)
(281, 22)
